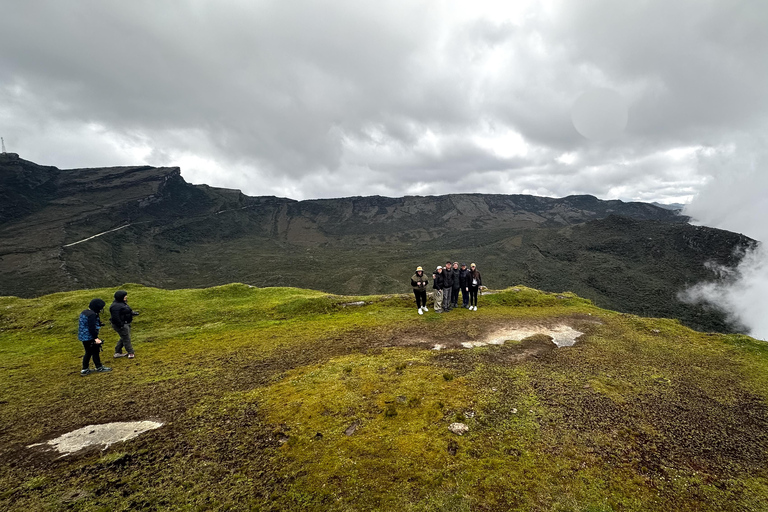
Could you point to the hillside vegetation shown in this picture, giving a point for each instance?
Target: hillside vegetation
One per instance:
(291, 399)
(70, 229)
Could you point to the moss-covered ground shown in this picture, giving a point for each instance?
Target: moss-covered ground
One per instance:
(289, 399)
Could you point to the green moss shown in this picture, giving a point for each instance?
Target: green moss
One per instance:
(286, 399)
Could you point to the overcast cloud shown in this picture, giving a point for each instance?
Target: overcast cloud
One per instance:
(310, 99)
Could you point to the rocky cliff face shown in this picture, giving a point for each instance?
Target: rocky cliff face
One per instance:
(75, 228)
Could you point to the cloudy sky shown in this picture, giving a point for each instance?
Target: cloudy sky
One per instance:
(632, 100)
(644, 100)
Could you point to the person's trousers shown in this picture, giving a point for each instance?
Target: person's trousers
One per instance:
(473, 295)
(447, 298)
(91, 352)
(438, 295)
(125, 339)
(421, 297)
(465, 297)
(455, 297)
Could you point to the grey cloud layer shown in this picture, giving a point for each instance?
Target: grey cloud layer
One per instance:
(339, 98)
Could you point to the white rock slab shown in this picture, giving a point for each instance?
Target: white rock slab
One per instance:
(562, 335)
(102, 435)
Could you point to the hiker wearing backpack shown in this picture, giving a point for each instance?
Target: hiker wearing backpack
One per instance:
(88, 332)
(121, 318)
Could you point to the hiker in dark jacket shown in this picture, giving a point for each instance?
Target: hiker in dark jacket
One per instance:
(419, 283)
(447, 286)
(456, 284)
(464, 285)
(88, 332)
(475, 282)
(122, 316)
(437, 285)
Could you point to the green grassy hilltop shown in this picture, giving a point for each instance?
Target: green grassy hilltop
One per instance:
(291, 399)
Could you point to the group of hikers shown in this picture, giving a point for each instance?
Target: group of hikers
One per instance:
(121, 316)
(447, 282)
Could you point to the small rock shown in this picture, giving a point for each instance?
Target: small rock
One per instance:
(351, 429)
(655, 331)
(458, 428)
(493, 389)
(514, 411)
(469, 414)
(402, 399)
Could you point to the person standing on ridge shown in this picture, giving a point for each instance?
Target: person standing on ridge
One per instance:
(447, 286)
(437, 285)
(456, 284)
(88, 332)
(475, 282)
(464, 285)
(121, 318)
(419, 283)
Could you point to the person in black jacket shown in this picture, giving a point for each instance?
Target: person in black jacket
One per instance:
(447, 286)
(122, 316)
(419, 283)
(437, 285)
(88, 332)
(456, 284)
(475, 283)
(464, 285)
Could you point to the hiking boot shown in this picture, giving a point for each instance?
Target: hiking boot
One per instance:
(103, 369)
(119, 354)
(131, 356)
(85, 372)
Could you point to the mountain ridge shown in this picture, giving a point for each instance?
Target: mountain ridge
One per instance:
(70, 229)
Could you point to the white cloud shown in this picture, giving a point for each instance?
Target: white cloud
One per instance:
(734, 198)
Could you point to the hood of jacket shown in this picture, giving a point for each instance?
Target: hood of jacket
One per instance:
(120, 295)
(96, 305)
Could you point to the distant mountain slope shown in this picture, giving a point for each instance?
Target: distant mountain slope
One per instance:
(69, 229)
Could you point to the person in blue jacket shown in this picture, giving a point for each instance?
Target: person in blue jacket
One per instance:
(88, 333)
